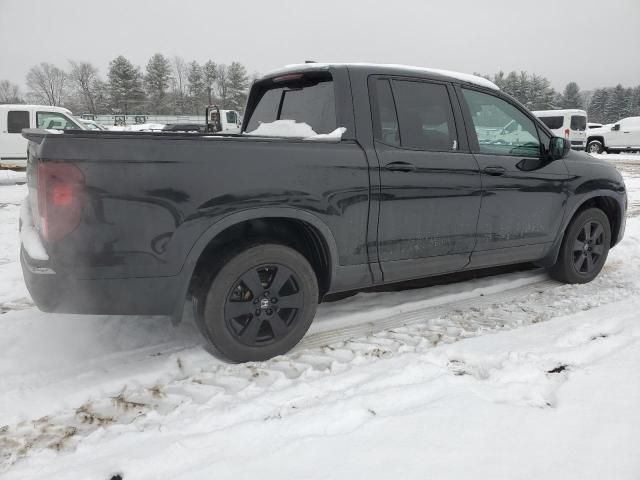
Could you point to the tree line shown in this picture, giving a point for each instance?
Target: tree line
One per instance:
(170, 86)
(175, 86)
(603, 105)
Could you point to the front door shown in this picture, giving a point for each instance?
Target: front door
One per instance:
(524, 194)
(429, 183)
(627, 133)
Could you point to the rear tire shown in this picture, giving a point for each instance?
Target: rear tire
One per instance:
(260, 303)
(584, 248)
(595, 146)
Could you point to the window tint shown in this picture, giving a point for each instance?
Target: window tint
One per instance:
(16, 121)
(303, 100)
(55, 121)
(386, 120)
(578, 122)
(425, 115)
(552, 122)
(502, 129)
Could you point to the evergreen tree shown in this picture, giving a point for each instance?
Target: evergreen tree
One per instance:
(222, 85)
(634, 102)
(196, 88)
(238, 83)
(597, 105)
(571, 96)
(617, 105)
(209, 77)
(125, 85)
(156, 82)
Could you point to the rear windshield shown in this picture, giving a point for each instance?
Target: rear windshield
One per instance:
(304, 99)
(578, 122)
(553, 122)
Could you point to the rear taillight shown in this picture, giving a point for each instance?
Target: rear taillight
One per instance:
(60, 198)
(566, 133)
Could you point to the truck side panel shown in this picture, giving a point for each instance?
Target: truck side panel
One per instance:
(149, 198)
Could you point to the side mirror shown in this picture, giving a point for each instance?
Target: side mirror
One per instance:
(615, 128)
(559, 148)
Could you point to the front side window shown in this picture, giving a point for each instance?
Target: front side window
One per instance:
(232, 117)
(578, 122)
(304, 99)
(55, 121)
(17, 120)
(502, 129)
(425, 116)
(553, 122)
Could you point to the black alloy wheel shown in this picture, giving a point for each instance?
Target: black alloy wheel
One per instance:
(260, 302)
(584, 248)
(263, 305)
(588, 247)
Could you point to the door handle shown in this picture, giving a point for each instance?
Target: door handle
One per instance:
(400, 167)
(494, 170)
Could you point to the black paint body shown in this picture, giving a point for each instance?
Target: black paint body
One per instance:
(154, 201)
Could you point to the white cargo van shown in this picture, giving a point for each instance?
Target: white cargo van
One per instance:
(13, 118)
(570, 124)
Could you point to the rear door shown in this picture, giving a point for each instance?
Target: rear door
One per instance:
(429, 181)
(14, 146)
(524, 194)
(578, 127)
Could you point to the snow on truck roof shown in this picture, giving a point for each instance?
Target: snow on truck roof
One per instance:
(464, 77)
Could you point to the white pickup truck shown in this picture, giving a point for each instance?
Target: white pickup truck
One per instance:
(13, 118)
(622, 136)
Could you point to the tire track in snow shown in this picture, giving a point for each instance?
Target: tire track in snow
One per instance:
(230, 392)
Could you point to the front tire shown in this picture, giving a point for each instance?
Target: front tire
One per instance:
(260, 303)
(595, 146)
(584, 248)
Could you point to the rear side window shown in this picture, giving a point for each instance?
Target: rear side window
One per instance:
(578, 122)
(303, 99)
(17, 120)
(553, 122)
(384, 111)
(425, 116)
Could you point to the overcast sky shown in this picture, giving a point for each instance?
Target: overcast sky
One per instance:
(593, 42)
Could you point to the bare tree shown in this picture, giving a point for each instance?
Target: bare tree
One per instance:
(47, 83)
(84, 80)
(180, 83)
(9, 92)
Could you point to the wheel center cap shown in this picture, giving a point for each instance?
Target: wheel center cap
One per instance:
(264, 303)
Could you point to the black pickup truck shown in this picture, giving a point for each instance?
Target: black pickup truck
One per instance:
(434, 172)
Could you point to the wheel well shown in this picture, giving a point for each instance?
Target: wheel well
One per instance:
(297, 234)
(610, 208)
(600, 139)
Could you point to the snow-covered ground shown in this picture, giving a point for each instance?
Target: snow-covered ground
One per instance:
(505, 377)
